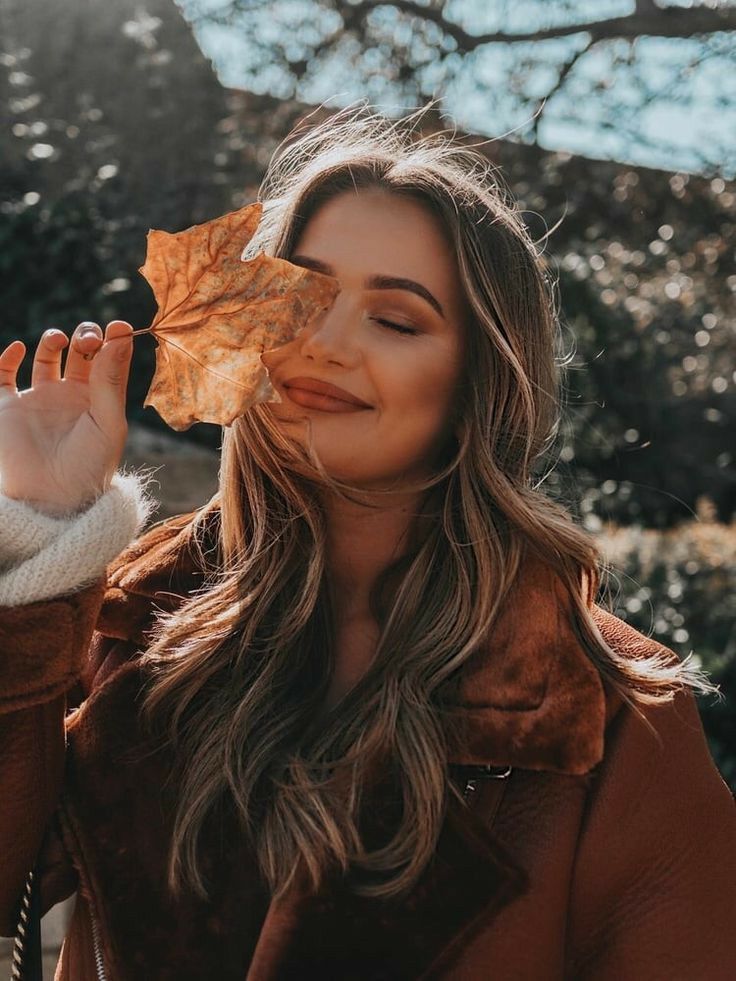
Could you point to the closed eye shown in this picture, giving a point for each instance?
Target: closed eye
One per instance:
(392, 325)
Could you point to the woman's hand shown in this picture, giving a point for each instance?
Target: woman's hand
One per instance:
(62, 439)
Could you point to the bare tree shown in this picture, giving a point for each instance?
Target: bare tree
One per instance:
(608, 71)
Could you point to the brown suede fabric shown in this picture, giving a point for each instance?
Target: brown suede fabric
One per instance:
(610, 856)
(43, 647)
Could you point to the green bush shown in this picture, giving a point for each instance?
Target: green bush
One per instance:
(679, 586)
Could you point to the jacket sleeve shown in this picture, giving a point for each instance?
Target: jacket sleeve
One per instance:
(654, 890)
(42, 646)
(52, 583)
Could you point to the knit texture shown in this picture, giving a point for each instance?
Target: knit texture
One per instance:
(43, 556)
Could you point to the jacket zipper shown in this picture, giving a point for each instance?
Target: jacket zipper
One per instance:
(67, 827)
(99, 961)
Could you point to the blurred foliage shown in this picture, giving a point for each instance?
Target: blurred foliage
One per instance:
(647, 286)
(93, 157)
(679, 586)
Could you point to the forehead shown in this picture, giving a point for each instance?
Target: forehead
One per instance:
(374, 231)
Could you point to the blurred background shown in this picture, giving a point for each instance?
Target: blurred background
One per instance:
(613, 122)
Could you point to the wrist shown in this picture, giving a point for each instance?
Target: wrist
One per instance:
(54, 507)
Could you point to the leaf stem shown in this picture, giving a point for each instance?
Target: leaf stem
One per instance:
(142, 330)
(135, 333)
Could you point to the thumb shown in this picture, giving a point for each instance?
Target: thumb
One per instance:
(108, 380)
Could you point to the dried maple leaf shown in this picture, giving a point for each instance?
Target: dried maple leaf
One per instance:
(217, 314)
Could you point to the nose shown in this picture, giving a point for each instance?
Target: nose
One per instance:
(332, 338)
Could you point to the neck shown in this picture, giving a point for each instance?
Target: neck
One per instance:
(361, 542)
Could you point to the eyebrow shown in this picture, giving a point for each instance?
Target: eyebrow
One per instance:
(376, 282)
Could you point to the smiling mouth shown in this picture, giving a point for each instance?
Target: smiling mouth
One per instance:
(308, 399)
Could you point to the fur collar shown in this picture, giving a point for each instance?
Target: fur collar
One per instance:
(530, 699)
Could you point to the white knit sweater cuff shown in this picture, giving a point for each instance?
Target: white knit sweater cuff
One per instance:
(42, 556)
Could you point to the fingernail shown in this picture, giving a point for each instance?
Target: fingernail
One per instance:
(88, 330)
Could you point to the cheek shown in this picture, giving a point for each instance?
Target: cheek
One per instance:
(419, 399)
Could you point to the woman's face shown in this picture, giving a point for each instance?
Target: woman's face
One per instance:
(392, 341)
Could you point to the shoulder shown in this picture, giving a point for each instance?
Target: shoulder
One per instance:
(653, 892)
(666, 733)
(156, 572)
(657, 771)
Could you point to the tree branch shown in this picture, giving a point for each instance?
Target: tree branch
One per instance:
(647, 20)
(561, 79)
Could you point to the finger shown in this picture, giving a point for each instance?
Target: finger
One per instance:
(109, 375)
(10, 360)
(118, 338)
(47, 359)
(86, 341)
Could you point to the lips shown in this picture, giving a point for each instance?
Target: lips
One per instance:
(317, 387)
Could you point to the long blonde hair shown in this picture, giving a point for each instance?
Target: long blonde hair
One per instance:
(240, 671)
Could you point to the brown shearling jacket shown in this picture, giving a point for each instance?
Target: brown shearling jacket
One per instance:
(611, 855)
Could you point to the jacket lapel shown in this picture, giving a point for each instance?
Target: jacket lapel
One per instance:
(336, 934)
(117, 819)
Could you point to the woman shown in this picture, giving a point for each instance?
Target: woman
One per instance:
(358, 717)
